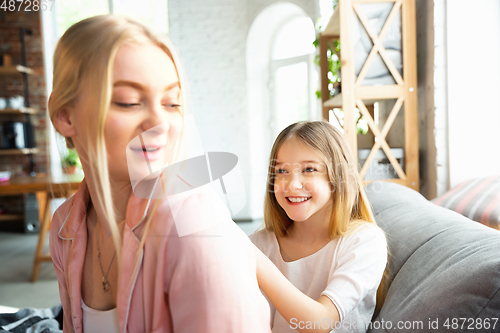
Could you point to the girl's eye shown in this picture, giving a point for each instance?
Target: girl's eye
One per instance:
(280, 171)
(310, 169)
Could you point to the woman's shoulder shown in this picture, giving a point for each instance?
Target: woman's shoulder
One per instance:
(196, 210)
(62, 212)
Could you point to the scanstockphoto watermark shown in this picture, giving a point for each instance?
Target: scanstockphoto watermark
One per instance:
(443, 324)
(355, 326)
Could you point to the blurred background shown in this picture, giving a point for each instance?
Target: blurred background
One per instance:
(253, 68)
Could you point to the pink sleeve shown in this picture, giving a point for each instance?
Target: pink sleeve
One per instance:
(57, 259)
(213, 285)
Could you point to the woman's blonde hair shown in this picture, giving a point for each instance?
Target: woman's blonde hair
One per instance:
(85, 55)
(350, 206)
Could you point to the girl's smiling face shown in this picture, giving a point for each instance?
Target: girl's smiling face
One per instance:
(301, 184)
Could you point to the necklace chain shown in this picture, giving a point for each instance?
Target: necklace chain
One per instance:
(105, 283)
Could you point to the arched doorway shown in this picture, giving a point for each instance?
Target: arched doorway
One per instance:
(280, 74)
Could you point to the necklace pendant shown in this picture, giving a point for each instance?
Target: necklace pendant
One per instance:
(105, 284)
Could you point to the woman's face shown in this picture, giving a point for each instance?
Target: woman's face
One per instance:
(144, 119)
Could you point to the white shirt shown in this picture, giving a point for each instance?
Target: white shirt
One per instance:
(348, 270)
(96, 321)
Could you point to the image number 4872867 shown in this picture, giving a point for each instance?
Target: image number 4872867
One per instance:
(26, 5)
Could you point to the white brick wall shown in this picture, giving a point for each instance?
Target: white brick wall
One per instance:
(211, 38)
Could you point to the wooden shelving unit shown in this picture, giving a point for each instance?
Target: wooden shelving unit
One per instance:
(26, 110)
(11, 217)
(354, 95)
(23, 110)
(18, 69)
(21, 151)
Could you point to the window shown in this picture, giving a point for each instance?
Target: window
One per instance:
(152, 13)
(294, 76)
(70, 12)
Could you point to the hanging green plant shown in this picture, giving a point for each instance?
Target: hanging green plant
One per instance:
(333, 67)
(334, 79)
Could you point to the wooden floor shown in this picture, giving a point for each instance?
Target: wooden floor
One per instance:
(16, 261)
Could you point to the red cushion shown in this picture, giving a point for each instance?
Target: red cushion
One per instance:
(477, 199)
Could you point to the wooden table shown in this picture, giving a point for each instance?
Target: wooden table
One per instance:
(46, 189)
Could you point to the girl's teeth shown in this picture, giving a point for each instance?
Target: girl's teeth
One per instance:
(150, 149)
(298, 199)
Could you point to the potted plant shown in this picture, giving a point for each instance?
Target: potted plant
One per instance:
(70, 161)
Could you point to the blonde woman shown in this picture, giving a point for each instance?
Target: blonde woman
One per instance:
(120, 263)
(320, 233)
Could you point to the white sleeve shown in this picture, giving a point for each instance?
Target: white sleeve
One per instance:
(361, 261)
(262, 239)
(254, 237)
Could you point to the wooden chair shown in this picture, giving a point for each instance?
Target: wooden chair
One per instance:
(44, 204)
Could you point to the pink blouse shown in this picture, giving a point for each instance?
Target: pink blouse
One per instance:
(201, 282)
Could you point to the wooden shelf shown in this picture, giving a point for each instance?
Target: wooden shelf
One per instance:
(334, 102)
(332, 29)
(11, 217)
(22, 151)
(10, 70)
(23, 110)
(357, 97)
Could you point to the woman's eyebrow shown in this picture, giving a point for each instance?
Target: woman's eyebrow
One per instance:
(138, 86)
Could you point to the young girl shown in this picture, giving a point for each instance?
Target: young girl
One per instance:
(119, 259)
(320, 233)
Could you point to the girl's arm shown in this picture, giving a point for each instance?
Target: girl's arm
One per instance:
(296, 307)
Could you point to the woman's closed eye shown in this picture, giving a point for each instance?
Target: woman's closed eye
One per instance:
(169, 106)
(172, 106)
(126, 105)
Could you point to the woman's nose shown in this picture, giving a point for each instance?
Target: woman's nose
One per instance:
(155, 119)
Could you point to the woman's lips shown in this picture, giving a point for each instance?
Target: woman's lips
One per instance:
(151, 153)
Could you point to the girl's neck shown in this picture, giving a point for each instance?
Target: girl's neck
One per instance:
(309, 232)
(314, 229)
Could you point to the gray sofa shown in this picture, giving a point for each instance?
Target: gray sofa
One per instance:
(443, 266)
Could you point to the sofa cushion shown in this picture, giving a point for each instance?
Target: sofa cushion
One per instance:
(441, 264)
(477, 199)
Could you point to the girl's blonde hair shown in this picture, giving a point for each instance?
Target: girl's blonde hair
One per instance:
(350, 206)
(84, 56)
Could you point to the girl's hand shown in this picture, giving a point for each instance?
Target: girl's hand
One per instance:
(291, 303)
